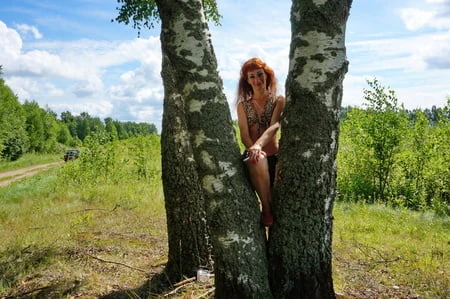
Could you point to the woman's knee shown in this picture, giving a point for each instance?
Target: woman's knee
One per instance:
(261, 167)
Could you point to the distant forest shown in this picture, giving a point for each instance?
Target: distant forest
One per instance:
(28, 128)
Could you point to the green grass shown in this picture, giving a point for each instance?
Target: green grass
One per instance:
(78, 238)
(30, 160)
(382, 252)
(64, 239)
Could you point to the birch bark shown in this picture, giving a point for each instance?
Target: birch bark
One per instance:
(202, 171)
(300, 252)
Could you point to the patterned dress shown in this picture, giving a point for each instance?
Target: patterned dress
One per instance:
(263, 122)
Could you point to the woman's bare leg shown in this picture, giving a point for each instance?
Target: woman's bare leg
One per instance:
(259, 176)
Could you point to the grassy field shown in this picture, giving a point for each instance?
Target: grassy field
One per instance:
(380, 252)
(110, 240)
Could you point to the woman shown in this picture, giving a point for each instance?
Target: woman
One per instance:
(259, 111)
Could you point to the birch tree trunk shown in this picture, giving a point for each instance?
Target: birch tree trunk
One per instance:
(300, 252)
(202, 171)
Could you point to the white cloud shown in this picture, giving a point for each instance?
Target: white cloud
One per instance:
(87, 89)
(412, 53)
(415, 18)
(435, 14)
(27, 29)
(11, 43)
(99, 108)
(143, 114)
(437, 1)
(53, 90)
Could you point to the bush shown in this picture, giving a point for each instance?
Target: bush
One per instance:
(384, 155)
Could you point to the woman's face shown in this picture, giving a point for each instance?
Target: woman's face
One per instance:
(257, 79)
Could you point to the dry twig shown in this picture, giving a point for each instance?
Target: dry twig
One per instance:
(174, 291)
(364, 249)
(184, 281)
(211, 290)
(117, 263)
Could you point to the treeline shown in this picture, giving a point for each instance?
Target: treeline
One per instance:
(28, 128)
(389, 154)
(433, 114)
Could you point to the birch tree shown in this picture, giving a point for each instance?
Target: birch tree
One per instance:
(300, 241)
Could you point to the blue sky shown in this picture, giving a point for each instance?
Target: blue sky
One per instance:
(68, 56)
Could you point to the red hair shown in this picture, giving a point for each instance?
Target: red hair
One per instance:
(245, 90)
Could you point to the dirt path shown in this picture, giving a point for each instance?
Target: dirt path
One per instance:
(7, 177)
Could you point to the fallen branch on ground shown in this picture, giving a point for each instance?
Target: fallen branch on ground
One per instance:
(117, 263)
(180, 283)
(211, 290)
(174, 291)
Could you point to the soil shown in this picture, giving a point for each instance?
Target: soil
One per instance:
(10, 176)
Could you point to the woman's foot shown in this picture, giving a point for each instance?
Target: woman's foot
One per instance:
(267, 219)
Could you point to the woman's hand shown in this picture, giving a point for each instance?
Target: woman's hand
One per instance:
(255, 153)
